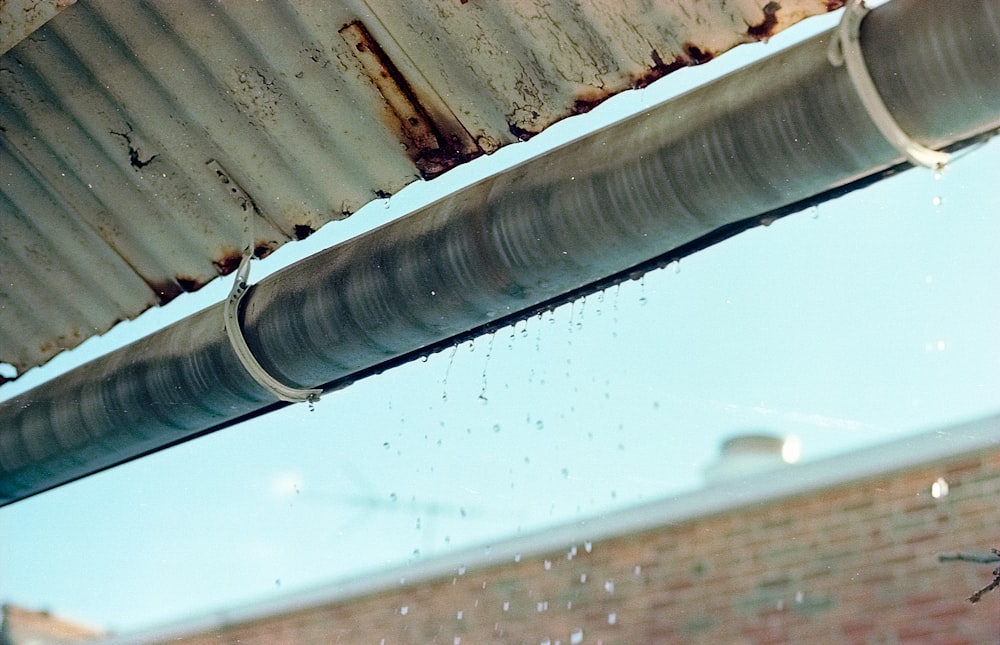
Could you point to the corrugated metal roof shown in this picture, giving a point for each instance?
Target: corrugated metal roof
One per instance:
(141, 140)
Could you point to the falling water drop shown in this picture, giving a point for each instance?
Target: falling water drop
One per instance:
(486, 364)
(447, 371)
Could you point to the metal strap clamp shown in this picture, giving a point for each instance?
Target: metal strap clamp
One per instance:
(239, 343)
(845, 49)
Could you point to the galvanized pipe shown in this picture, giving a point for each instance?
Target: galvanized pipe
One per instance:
(750, 146)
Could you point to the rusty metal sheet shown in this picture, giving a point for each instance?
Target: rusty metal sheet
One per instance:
(140, 142)
(18, 18)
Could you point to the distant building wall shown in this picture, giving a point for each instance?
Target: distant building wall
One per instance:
(855, 563)
(22, 626)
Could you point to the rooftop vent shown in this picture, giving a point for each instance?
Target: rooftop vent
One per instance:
(750, 454)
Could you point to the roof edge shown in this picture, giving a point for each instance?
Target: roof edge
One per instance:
(913, 452)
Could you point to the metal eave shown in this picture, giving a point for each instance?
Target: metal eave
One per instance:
(20, 18)
(136, 139)
(623, 199)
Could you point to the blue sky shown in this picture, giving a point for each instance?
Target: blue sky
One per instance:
(863, 320)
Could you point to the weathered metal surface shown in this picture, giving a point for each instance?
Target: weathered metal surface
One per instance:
(140, 141)
(19, 18)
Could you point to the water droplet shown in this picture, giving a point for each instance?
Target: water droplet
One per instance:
(423, 359)
(548, 565)
(676, 264)
(937, 200)
(583, 578)
(637, 570)
(814, 211)
(461, 570)
(612, 618)
(496, 427)
(609, 586)
(588, 546)
(459, 615)
(543, 605)
(404, 610)
(506, 605)
(576, 636)
(517, 557)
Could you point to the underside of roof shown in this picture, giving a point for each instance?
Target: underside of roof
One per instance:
(144, 146)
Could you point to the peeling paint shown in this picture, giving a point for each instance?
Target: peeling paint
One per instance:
(659, 69)
(137, 158)
(255, 94)
(765, 29)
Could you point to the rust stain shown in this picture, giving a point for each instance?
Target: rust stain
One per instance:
(696, 55)
(434, 146)
(187, 284)
(587, 101)
(659, 69)
(165, 291)
(302, 231)
(520, 132)
(765, 29)
(228, 262)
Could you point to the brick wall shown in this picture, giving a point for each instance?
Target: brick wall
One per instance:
(854, 563)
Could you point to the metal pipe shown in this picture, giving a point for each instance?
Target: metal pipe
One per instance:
(742, 150)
